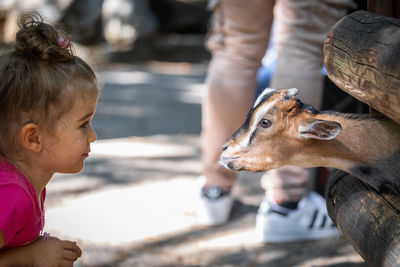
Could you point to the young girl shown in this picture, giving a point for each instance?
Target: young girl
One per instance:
(48, 97)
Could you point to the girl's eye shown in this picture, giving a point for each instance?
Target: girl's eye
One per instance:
(264, 123)
(84, 125)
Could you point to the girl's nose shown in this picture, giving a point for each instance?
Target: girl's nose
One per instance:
(92, 137)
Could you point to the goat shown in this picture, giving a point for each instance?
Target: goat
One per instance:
(281, 130)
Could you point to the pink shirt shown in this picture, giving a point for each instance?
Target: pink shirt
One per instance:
(21, 217)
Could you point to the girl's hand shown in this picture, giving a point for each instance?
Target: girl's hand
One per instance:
(55, 252)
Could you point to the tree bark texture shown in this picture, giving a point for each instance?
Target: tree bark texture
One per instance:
(362, 57)
(369, 220)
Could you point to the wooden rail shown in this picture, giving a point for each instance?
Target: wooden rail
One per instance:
(369, 220)
(362, 57)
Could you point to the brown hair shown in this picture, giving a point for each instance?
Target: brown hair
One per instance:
(40, 79)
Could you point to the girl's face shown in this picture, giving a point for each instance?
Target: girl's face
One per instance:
(66, 150)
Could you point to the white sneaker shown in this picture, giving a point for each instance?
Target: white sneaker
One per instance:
(309, 221)
(214, 204)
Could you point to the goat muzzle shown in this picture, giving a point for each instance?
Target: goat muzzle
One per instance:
(232, 163)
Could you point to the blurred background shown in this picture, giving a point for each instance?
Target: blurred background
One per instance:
(134, 203)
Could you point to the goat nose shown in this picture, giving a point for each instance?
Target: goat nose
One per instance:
(225, 146)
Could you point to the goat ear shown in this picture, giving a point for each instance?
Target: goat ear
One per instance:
(319, 129)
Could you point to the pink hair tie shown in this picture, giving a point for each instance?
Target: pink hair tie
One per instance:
(62, 42)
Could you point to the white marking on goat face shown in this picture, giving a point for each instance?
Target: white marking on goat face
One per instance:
(264, 93)
(257, 116)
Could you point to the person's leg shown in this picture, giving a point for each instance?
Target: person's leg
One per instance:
(300, 30)
(238, 41)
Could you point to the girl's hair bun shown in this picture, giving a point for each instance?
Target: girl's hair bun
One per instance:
(40, 40)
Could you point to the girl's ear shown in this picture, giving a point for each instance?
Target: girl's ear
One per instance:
(30, 137)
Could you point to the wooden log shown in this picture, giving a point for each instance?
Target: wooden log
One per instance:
(362, 57)
(370, 221)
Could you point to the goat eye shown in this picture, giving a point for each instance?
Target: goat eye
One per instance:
(265, 123)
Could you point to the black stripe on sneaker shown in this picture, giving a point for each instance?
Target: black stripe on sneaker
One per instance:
(313, 219)
(323, 221)
(278, 212)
